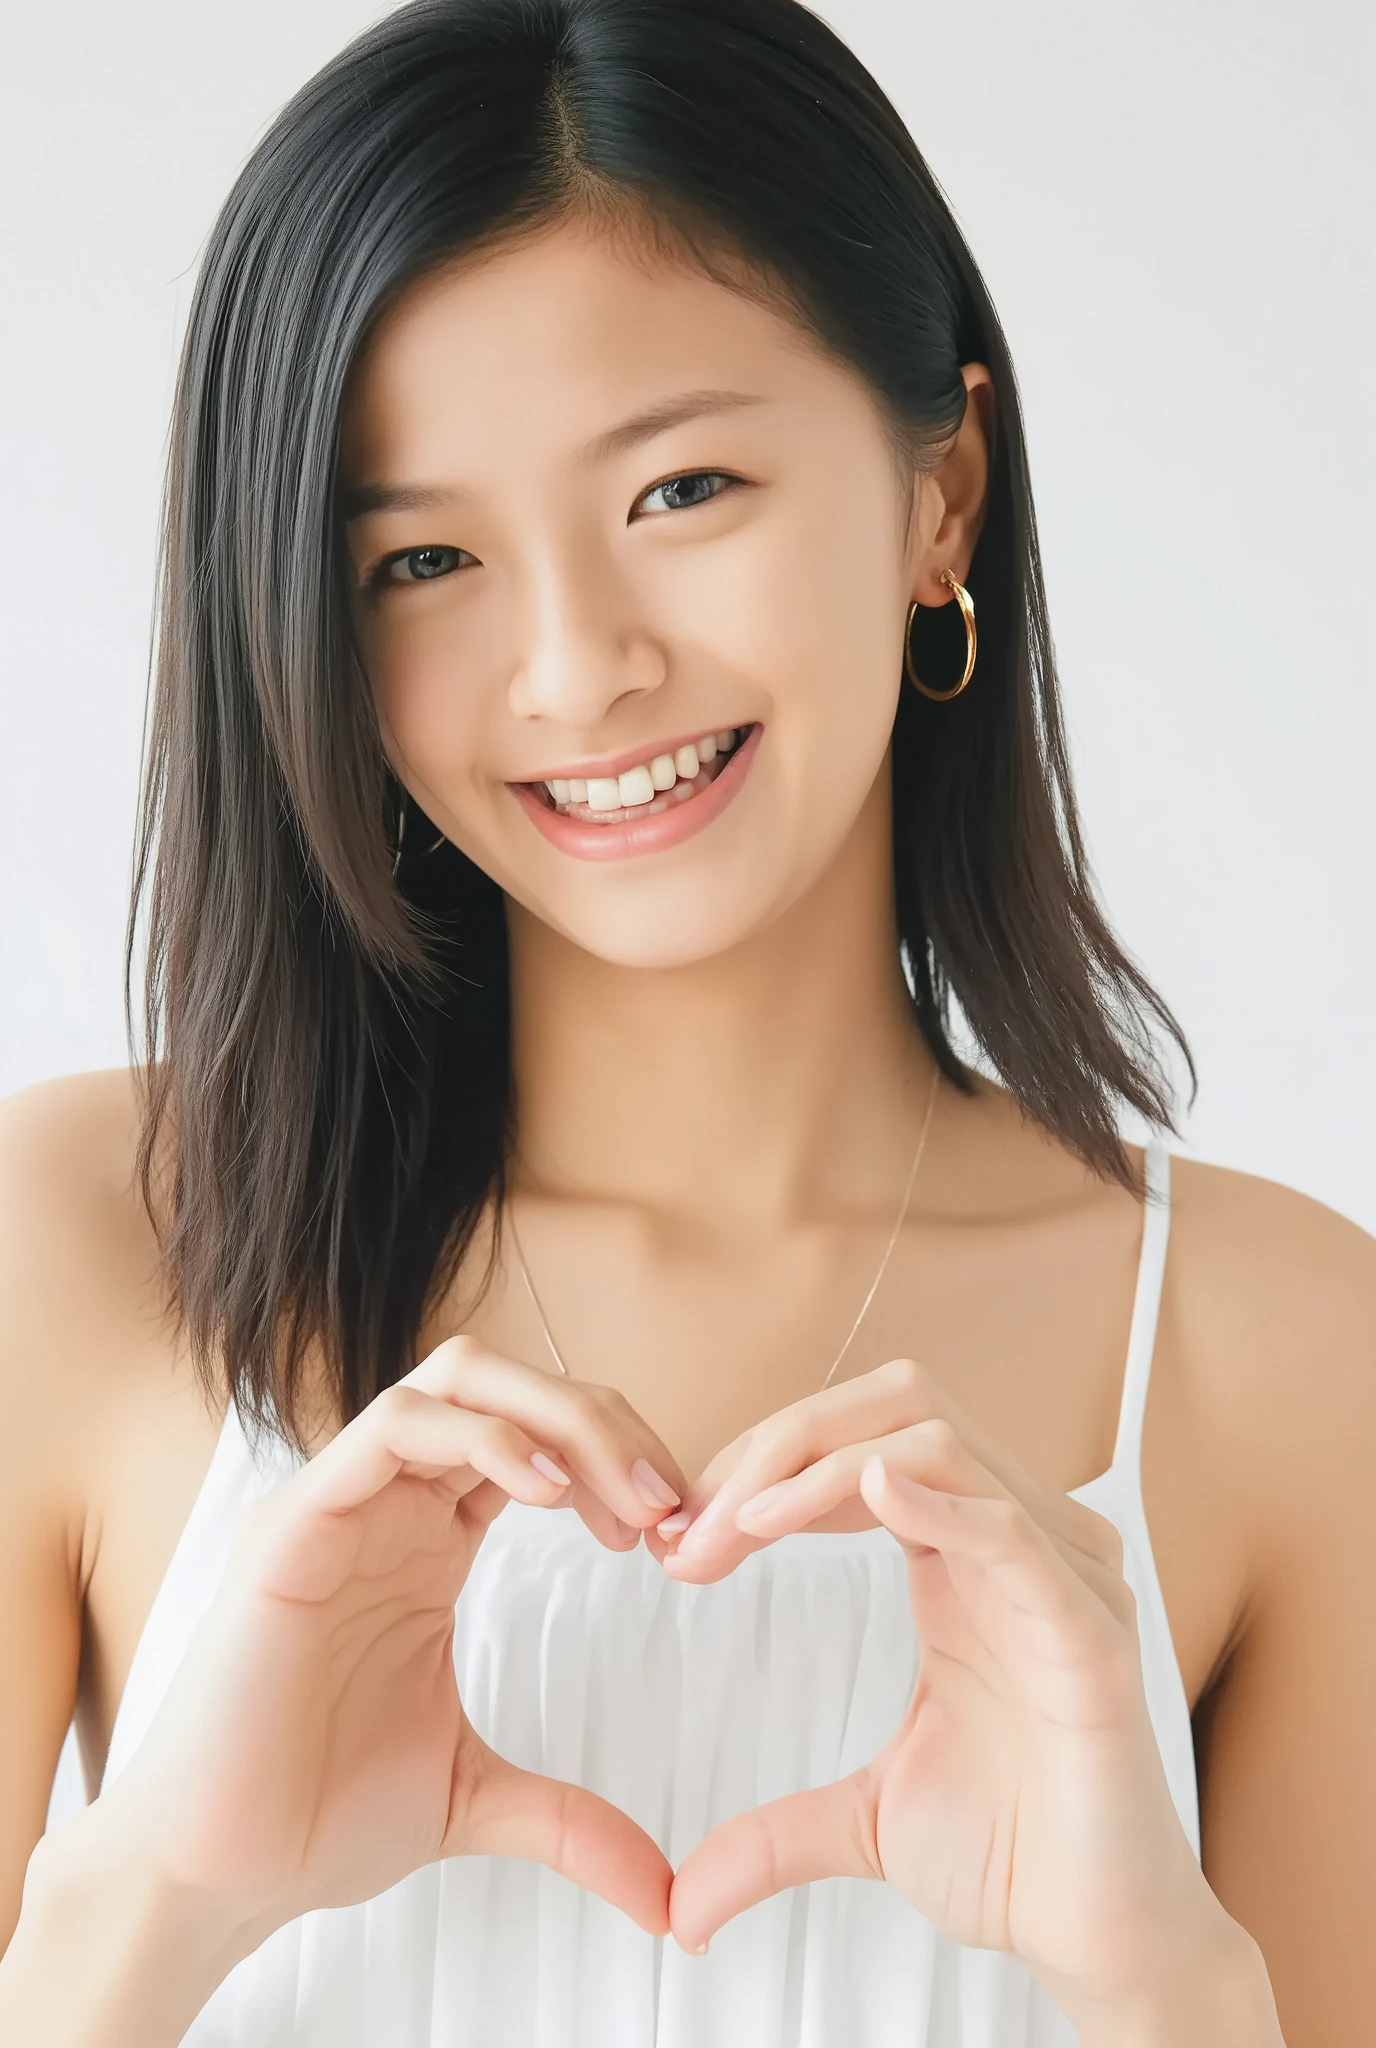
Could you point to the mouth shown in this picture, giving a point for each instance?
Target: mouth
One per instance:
(653, 784)
(653, 802)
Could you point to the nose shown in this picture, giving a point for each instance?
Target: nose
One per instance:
(586, 651)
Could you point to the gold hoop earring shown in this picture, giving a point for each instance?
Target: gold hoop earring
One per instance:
(967, 612)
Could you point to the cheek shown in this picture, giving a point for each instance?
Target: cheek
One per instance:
(428, 700)
(822, 618)
(837, 669)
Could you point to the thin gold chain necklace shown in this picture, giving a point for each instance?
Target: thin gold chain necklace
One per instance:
(864, 1306)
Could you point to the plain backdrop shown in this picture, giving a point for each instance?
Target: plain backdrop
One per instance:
(1171, 205)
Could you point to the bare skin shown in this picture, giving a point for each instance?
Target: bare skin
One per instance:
(720, 1085)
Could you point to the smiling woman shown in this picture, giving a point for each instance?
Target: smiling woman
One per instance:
(605, 752)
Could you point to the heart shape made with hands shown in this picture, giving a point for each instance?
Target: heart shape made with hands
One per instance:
(312, 1749)
(1022, 1803)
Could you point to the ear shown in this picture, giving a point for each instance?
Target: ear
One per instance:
(952, 498)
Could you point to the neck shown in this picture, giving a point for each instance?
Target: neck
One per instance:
(781, 1078)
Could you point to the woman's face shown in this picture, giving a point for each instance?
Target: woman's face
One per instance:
(691, 625)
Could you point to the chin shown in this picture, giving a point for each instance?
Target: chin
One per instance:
(719, 889)
(658, 936)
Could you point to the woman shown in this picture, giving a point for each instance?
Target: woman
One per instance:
(575, 853)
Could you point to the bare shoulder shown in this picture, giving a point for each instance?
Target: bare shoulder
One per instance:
(1272, 1298)
(78, 1262)
(1273, 1295)
(80, 1346)
(74, 1135)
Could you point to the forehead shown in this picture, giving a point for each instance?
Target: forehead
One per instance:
(544, 340)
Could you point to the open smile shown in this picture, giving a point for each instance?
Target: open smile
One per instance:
(652, 802)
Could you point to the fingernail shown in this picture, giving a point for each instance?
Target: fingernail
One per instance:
(760, 1503)
(548, 1469)
(701, 1951)
(705, 1533)
(672, 1525)
(654, 1491)
(628, 1529)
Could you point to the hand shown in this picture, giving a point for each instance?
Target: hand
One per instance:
(312, 1749)
(1022, 1804)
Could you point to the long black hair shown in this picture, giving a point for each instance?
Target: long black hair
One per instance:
(328, 1043)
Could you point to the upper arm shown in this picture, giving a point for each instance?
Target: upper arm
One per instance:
(57, 1148)
(1287, 1738)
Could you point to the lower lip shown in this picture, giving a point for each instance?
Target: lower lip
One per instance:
(655, 834)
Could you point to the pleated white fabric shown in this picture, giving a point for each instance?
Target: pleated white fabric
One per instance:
(684, 1704)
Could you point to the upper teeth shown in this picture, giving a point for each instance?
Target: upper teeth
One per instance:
(641, 784)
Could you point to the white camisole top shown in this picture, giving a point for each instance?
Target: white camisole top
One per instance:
(683, 1704)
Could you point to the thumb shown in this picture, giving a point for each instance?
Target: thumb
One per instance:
(506, 1811)
(828, 1832)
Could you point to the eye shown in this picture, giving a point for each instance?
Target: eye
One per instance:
(421, 565)
(675, 485)
(428, 564)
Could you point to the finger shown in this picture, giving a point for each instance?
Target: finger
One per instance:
(704, 1540)
(997, 1532)
(510, 1812)
(739, 1520)
(828, 1832)
(777, 1447)
(592, 1429)
(708, 1571)
(875, 1404)
(929, 1399)
(713, 1475)
(929, 1451)
(1070, 1652)
(486, 1501)
(302, 1540)
(405, 1428)
(608, 1528)
(794, 1503)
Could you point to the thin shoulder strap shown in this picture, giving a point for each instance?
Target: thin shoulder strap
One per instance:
(1156, 1227)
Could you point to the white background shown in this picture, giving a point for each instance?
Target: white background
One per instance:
(1171, 204)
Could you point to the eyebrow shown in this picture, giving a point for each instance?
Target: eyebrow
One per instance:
(361, 499)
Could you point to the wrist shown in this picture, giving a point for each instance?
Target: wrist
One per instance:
(1216, 1993)
(108, 1949)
